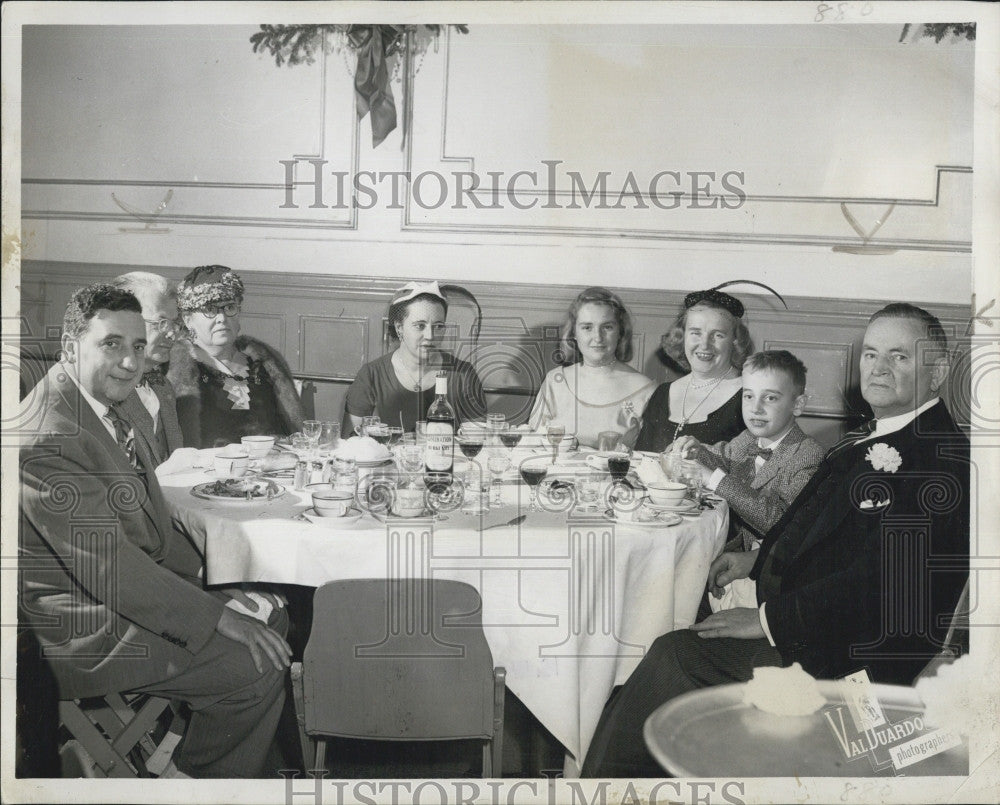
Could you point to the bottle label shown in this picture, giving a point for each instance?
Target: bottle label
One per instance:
(440, 453)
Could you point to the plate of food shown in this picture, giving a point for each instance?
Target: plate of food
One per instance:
(238, 490)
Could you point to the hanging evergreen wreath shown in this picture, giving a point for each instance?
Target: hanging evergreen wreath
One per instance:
(375, 46)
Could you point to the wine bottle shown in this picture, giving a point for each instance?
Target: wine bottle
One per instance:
(439, 456)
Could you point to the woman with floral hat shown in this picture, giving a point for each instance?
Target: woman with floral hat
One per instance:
(399, 386)
(228, 385)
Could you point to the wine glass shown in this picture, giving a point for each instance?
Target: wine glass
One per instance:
(395, 435)
(618, 464)
(411, 458)
(444, 493)
(533, 473)
(497, 463)
(470, 447)
(510, 437)
(555, 433)
(495, 423)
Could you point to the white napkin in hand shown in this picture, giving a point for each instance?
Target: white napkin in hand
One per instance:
(264, 607)
(183, 459)
(648, 470)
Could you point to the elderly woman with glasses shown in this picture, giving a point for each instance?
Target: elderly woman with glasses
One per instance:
(228, 385)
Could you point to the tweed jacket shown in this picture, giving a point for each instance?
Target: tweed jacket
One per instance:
(168, 426)
(866, 567)
(760, 498)
(107, 584)
(183, 374)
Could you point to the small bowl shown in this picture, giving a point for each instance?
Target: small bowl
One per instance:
(328, 502)
(258, 446)
(669, 493)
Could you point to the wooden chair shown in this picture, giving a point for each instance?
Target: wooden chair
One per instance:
(398, 660)
(118, 735)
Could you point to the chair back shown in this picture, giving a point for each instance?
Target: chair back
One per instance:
(402, 659)
(465, 313)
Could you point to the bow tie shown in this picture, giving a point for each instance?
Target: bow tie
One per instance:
(154, 377)
(764, 452)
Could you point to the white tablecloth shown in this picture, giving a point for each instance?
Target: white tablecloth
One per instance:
(570, 604)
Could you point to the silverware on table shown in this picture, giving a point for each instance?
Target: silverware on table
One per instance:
(512, 522)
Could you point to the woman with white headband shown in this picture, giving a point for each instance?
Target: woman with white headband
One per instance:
(399, 386)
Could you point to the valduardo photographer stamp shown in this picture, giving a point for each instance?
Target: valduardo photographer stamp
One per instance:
(890, 730)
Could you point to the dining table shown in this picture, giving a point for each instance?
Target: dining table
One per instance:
(572, 595)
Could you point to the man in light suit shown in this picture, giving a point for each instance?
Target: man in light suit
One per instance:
(108, 586)
(862, 571)
(152, 407)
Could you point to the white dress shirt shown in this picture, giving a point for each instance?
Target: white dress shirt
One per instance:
(151, 402)
(99, 408)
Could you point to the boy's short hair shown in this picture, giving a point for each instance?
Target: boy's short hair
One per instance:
(779, 360)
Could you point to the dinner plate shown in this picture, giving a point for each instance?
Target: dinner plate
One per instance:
(205, 492)
(350, 518)
(687, 505)
(658, 519)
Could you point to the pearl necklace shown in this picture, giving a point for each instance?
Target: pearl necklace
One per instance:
(685, 417)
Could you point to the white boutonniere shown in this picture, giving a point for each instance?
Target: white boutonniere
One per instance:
(883, 457)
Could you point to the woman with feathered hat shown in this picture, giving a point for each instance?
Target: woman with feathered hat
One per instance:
(710, 341)
(228, 385)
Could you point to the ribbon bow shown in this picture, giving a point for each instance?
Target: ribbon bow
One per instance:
(764, 452)
(372, 91)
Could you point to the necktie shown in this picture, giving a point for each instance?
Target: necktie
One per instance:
(154, 377)
(124, 434)
(852, 437)
(764, 452)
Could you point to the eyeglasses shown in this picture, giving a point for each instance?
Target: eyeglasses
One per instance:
(164, 326)
(229, 309)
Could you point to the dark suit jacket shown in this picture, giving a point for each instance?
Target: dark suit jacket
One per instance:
(106, 583)
(168, 427)
(760, 498)
(866, 566)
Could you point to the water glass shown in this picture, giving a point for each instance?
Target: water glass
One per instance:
(691, 475)
(329, 437)
(422, 432)
(588, 490)
(395, 435)
(311, 429)
(301, 445)
(498, 462)
(607, 440)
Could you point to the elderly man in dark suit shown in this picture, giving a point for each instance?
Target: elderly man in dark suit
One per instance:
(862, 571)
(152, 407)
(108, 586)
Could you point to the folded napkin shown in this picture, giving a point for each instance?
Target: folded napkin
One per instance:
(736, 594)
(648, 470)
(185, 459)
(264, 607)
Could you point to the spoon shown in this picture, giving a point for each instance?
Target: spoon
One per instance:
(512, 522)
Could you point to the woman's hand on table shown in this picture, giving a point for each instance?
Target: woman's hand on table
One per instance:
(742, 622)
(261, 640)
(727, 568)
(684, 446)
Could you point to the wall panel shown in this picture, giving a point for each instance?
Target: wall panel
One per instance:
(328, 326)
